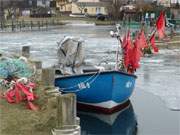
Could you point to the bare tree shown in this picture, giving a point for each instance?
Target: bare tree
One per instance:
(81, 6)
(1, 11)
(115, 9)
(62, 3)
(143, 6)
(177, 5)
(11, 6)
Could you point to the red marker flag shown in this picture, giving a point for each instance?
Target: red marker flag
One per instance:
(142, 40)
(152, 41)
(160, 25)
(127, 50)
(136, 54)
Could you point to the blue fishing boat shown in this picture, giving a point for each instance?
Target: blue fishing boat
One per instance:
(102, 91)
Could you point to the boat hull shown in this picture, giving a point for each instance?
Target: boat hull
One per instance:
(104, 91)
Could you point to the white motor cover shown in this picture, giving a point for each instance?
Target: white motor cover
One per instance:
(71, 52)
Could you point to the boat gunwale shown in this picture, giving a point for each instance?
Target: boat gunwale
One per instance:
(92, 73)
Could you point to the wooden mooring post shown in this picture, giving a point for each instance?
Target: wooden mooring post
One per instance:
(2, 26)
(53, 23)
(38, 66)
(67, 121)
(48, 76)
(46, 24)
(26, 51)
(39, 25)
(20, 25)
(12, 25)
(66, 110)
(31, 25)
(42, 23)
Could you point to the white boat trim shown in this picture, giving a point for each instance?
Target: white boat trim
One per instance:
(107, 104)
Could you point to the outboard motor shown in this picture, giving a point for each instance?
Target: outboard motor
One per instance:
(70, 55)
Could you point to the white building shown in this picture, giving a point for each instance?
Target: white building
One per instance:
(40, 3)
(43, 3)
(167, 3)
(175, 1)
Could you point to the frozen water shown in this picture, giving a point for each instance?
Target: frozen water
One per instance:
(159, 74)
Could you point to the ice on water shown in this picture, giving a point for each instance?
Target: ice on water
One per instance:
(159, 75)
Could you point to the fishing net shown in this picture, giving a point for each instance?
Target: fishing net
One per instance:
(14, 68)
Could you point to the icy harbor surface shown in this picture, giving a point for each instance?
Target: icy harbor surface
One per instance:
(159, 74)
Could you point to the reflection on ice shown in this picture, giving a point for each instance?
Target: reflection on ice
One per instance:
(119, 123)
(161, 79)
